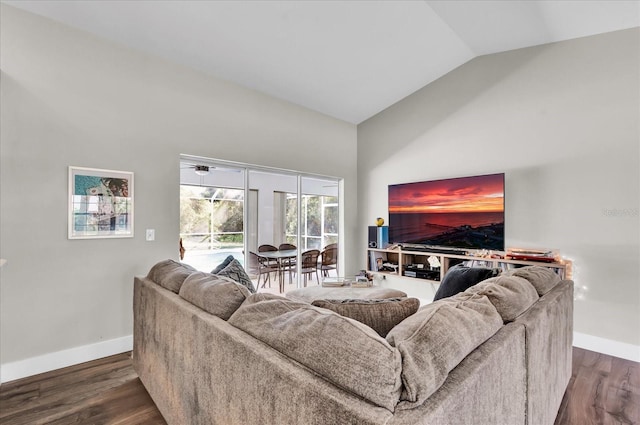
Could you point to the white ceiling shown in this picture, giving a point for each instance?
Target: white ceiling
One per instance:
(346, 59)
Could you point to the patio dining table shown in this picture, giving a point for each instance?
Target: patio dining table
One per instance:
(279, 256)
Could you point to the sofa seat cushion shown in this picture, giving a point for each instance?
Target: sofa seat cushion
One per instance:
(217, 295)
(343, 351)
(543, 279)
(170, 274)
(510, 295)
(460, 277)
(437, 338)
(380, 315)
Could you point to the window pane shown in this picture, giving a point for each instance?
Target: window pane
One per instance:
(211, 224)
(291, 217)
(329, 240)
(227, 218)
(314, 243)
(331, 200)
(331, 219)
(313, 216)
(195, 222)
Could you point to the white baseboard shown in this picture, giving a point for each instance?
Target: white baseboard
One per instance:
(607, 346)
(52, 361)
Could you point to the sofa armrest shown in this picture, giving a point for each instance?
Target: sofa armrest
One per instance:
(549, 346)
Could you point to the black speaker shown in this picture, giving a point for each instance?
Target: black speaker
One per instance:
(373, 237)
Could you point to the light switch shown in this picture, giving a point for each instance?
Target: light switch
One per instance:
(151, 234)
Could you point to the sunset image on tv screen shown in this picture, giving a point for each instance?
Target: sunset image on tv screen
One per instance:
(466, 212)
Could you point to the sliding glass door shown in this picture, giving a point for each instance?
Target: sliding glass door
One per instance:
(239, 209)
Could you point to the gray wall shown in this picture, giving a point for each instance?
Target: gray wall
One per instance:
(69, 98)
(561, 120)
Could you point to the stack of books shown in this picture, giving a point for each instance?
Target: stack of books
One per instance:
(330, 282)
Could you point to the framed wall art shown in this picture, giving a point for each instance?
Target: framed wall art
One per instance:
(100, 203)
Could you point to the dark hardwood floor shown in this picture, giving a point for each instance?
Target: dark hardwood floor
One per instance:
(602, 390)
(104, 391)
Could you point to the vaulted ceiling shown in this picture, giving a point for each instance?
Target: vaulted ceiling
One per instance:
(347, 59)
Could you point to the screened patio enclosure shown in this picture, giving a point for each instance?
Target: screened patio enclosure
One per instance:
(232, 209)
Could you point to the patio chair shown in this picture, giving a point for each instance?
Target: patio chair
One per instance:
(287, 264)
(268, 248)
(328, 260)
(260, 266)
(309, 264)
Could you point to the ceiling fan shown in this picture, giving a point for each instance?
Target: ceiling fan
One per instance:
(201, 170)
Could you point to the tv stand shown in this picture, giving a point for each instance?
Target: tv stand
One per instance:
(413, 262)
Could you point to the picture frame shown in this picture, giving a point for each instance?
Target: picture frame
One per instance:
(100, 203)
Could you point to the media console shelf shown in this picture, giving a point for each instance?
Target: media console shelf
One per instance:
(409, 264)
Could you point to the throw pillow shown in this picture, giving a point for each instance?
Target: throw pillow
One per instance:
(380, 315)
(170, 274)
(217, 295)
(223, 265)
(460, 277)
(235, 272)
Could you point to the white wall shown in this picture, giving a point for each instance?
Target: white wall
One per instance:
(561, 120)
(69, 98)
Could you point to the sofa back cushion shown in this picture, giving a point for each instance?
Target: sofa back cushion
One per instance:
(543, 279)
(510, 295)
(343, 351)
(170, 274)
(437, 338)
(380, 315)
(217, 295)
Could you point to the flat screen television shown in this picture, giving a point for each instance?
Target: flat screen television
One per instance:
(465, 213)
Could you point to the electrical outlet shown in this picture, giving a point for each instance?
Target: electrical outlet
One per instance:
(151, 234)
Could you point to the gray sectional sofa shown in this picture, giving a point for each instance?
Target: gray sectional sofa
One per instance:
(210, 352)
